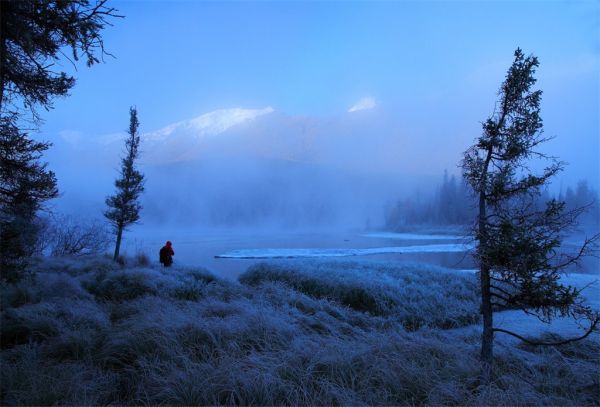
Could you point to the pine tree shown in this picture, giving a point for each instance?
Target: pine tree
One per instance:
(33, 36)
(25, 184)
(520, 263)
(124, 206)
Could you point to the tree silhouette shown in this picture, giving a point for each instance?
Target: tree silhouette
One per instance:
(33, 36)
(124, 206)
(520, 263)
(24, 185)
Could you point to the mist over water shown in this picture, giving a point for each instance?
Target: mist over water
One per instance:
(237, 179)
(289, 223)
(358, 124)
(273, 171)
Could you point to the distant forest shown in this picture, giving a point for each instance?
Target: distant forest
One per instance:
(453, 204)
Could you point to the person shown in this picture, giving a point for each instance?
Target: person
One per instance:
(166, 254)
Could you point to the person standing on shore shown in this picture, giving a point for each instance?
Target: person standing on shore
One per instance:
(166, 254)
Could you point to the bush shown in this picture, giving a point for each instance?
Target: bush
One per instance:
(126, 285)
(28, 379)
(15, 295)
(121, 260)
(68, 236)
(190, 291)
(142, 259)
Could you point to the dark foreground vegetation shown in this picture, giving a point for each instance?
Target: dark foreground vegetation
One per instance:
(89, 331)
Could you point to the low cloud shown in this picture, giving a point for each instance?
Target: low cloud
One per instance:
(363, 104)
(70, 136)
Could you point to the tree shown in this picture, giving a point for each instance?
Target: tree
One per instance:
(124, 206)
(69, 236)
(520, 263)
(24, 185)
(585, 196)
(33, 36)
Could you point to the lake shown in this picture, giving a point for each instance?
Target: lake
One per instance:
(203, 248)
(194, 248)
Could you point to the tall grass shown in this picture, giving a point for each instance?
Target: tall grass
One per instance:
(88, 332)
(415, 294)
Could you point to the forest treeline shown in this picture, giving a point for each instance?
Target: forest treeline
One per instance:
(453, 204)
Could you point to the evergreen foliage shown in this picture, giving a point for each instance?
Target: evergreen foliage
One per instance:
(452, 204)
(33, 36)
(124, 206)
(34, 33)
(584, 196)
(519, 240)
(25, 184)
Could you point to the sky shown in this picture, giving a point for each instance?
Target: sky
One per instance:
(434, 67)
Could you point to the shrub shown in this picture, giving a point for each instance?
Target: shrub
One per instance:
(74, 266)
(191, 284)
(30, 323)
(199, 275)
(122, 260)
(189, 291)
(53, 285)
(142, 259)
(68, 236)
(126, 285)
(29, 379)
(15, 295)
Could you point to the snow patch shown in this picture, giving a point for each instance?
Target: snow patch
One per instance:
(412, 236)
(210, 124)
(281, 253)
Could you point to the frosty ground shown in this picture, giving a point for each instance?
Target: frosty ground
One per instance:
(318, 332)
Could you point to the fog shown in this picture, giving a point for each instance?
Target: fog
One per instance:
(260, 169)
(314, 116)
(248, 168)
(305, 235)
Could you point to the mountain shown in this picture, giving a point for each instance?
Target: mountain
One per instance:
(207, 125)
(362, 141)
(254, 166)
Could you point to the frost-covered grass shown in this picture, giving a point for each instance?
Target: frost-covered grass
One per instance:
(416, 295)
(92, 332)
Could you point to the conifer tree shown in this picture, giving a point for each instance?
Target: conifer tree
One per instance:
(519, 256)
(25, 184)
(124, 206)
(34, 34)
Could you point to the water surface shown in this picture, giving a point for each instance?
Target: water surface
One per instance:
(204, 248)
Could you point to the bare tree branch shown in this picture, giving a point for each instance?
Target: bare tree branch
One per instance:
(590, 330)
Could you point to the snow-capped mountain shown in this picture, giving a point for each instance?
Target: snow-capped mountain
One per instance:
(357, 139)
(208, 124)
(242, 166)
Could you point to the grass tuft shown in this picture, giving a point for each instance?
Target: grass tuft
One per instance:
(416, 295)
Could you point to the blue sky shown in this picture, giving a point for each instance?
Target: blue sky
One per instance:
(435, 66)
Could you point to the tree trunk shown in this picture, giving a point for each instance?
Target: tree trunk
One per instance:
(487, 338)
(118, 245)
(2, 57)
